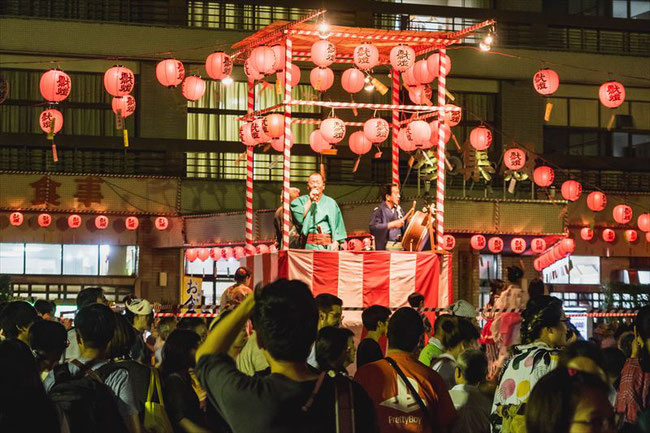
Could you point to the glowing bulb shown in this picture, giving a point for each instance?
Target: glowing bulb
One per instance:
(227, 81)
(485, 47)
(369, 87)
(488, 39)
(323, 27)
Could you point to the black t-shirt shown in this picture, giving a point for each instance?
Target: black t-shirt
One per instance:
(368, 351)
(274, 403)
(181, 400)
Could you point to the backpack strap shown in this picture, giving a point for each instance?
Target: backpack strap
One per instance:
(62, 373)
(414, 393)
(344, 408)
(86, 369)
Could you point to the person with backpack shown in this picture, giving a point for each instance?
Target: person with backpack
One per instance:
(95, 394)
(87, 296)
(459, 334)
(48, 340)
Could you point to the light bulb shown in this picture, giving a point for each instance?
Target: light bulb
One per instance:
(369, 87)
(323, 27)
(488, 39)
(485, 47)
(227, 81)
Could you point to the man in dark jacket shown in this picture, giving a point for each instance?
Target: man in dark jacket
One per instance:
(388, 219)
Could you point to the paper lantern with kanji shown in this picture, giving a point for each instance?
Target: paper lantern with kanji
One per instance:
(402, 57)
(408, 78)
(239, 252)
(295, 76)
(251, 73)
(376, 130)
(55, 85)
(538, 245)
(352, 80)
(193, 88)
(323, 53)
(433, 62)
(611, 94)
(204, 254)
(124, 106)
(537, 264)
(566, 246)
(280, 58)
(132, 223)
(480, 138)
(170, 72)
(216, 253)
(434, 139)
(518, 245)
(544, 176)
(366, 56)
(16, 219)
(452, 115)
(218, 65)
(631, 235)
(448, 242)
(278, 143)
(332, 130)
(191, 254)
(359, 143)
(49, 118)
(161, 223)
(403, 143)
(355, 244)
(245, 134)
(421, 94)
(317, 142)
(421, 72)
(477, 242)
(263, 59)
(514, 159)
(596, 201)
(44, 219)
(643, 221)
(321, 79)
(495, 245)
(419, 132)
(74, 221)
(257, 131)
(609, 235)
(101, 222)
(227, 253)
(622, 214)
(586, 233)
(546, 81)
(119, 81)
(571, 190)
(262, 249)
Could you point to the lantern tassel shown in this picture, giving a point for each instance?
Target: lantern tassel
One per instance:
(610, 124)
(50, 134)
(119, 120)
(322, 167)
(512, 185)
(55, 156)
(278, 87)
(125, 134)
(354, 108)
(455, 141)
(547, 113)
(356, 164)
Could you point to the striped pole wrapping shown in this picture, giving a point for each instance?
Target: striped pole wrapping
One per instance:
(440, 183)
(286, 175)
(249, 175)
(395, 101)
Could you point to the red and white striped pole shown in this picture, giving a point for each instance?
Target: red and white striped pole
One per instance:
(440, 183)
(395, 101)
(249, 176)
(286, 173)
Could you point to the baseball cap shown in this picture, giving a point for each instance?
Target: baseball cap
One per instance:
(139, 306)
(462, 308)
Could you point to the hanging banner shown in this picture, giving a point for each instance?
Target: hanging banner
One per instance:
(191, 291)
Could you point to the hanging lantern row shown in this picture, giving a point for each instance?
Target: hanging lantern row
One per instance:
(74, 221)
(496, 244)
(560, 250)
(422, 135)
(226, 253)
(611, 93)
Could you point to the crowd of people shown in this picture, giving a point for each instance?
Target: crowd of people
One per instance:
(277, 359)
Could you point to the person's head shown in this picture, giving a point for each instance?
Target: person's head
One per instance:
(294, 193)
(496, 287)
(642, 332)
(17, 317)
(543, 319)
(240, 340)
(95, 326)
(390, 194)
(335, 348)
(416, 300)
(91, 295)
(614, 362)
(625, 342)
(464, 309)
(375, 318)
(458, 335)
(405, 330)
(196, 324)
(585, 356)
(316, 182)
(45, 309)
(123, 338)
(471, 367)
(165, 327)
(330, 310)
(536, 288)
(19, 374)
(139, 313)
(48, 340)
(514, 274)
(569, 401)
(242, 276)
(179, 351)
(285, 319)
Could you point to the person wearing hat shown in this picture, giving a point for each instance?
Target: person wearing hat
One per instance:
(139, 313)
(462, 308)
(236, 293)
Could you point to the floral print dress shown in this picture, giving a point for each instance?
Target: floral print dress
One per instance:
(527, 364)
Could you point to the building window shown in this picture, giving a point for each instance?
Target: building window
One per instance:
(80, 260)
(230, 16)
(12, 258)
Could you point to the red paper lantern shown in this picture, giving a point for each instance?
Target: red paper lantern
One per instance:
(448, 242)
(546, 81)
(352, 80)
(317, 142)
(170, 72)
(321, 78)
(262, 249)
(586, 233)
(263, 59)
(132, 223)
(408, 78)
(566, 246)
(609, 235)
(161, 223)
(402, 57)
(245, 134)
(273, 125)
(193, 88)
(433, 63)
(514, 159)
(480, 138)
(252, 73)
(119, 81)
(295, 76)
(216, 253)
(452, 115)
(355, 245)
(274, 249)
(543, 176)
(477, 242)
(55, 85)
(402, 142)
(204, 254)
(538, 245)
(596, 201)
(366, 56)
(644, 222)
(49, 117)
(556, 254)
(434, 139)
(518, 245)
(421, 72)
(124, 106)
(191, 254)
(16, 219)
(421, 94)
(101, 222)
(332, 130)
(359, 143)
(257, 131)
(376, 130)
(278, 143)
(495, 244)
(227, 252)
(571, 190)
(218, 65)
(647, 237)
(537, 264)
(622, 213)
(323, 53)
(280, 59)
(631, 235)
(44, 219)
(74, 221)
(419, 132)
(611, 94)
(239, 253)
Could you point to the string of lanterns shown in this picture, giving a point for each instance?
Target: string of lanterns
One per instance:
(101, 222)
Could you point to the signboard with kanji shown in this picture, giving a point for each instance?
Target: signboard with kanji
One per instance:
(191, 291)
